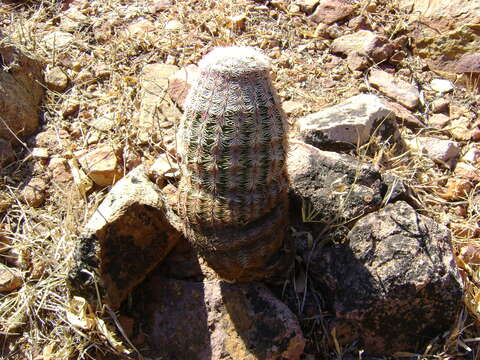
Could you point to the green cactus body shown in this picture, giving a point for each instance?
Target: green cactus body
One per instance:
(233, 190)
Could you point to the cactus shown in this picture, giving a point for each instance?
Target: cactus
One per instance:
(232, 198)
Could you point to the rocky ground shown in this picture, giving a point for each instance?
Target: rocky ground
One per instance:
(382, 98)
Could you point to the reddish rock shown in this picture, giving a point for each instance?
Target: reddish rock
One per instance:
(395, 88)
(330, 11)
(101, 165)
(438, 121)
(403, 115)
(365, 43)
(214, 320)
(394, 284)
(179, 84)
(125, 239)
(467, 171)
(60, 171)
(21, 91)
(34, 192)
(52, 139)
(469, 63)
(56, 79)
(444, 151)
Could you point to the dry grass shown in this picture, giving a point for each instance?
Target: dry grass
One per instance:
(104, 62)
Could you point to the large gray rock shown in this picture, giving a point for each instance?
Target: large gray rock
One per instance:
(394, 285)
(213, 320)
(336, 188)
(126, 237)
(348, 124)
(21, 92)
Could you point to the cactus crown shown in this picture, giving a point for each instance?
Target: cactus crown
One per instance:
(232, 142)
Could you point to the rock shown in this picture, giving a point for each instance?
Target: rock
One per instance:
(7, 155)
(403, 115)
(21, 92)
(104, 122)
(52, 139)
(180, 82)
(338, 187)
(351, 122)
(56, 79)
(469, 64)
(157, 118)
(173, 25)
(126, 237)
(215, 320)
(141, 29)
(364, 43)
(72, 19)
(34, 192)
(307, 6)
(165, 166)
(10, 279)
(438, 121)
(159, 5)
(58, 40)
(292, 107)
(394, 284)
(356, 62)
(441, 85)
(460, 129)
(442, 34)
(330, 11)
(395, 88)
(70, 107)
(440, 105)
(467, 171)
(101, 165)
(472, 155)
(60, 171)
(40, 153)
(445, 151)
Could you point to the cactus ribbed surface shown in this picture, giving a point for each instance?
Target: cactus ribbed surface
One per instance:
(232, 198)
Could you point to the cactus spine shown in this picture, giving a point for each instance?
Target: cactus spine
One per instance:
(232, 195)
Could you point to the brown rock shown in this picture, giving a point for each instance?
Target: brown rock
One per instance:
(443, 35)
(10, 279)
(7, 155)
(127, 236)
(443, 151)
(53, 140)
(307, 6)
(56, 79)
(403, 115)
(164, 167)
(101, 165)
(179, 83)
(438, 121)
(218, 320)
(467, 171)
(141, 29)
(397, 89)
(60, 171)
(158, 117)
(394, 284)
(440, 105)
(70, 107)
(355, 61)
(292, 107)
(469, 64)
(461, 129)
(34, 192)
(330, 11)
(21, 92)
(364, 43)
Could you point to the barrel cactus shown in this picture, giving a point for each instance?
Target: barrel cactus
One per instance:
(232, 196)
